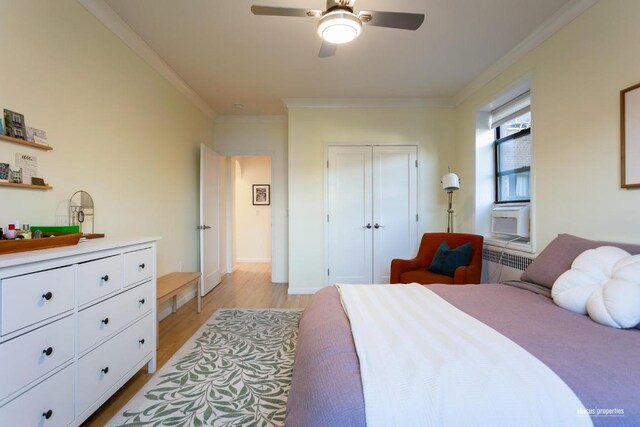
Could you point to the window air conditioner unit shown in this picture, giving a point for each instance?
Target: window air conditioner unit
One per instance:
(511, 220)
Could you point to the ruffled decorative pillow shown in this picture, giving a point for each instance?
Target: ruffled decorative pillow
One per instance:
(603, 283)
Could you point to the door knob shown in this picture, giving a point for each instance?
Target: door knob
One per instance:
(368, 226)
(203, 227)
(376, 226)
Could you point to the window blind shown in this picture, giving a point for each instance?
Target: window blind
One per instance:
(510, 110)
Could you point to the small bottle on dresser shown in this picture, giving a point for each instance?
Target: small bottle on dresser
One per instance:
(11, 231)
(26, 231)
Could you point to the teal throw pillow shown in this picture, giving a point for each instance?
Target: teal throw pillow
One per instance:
(437, 263)
(446, 260)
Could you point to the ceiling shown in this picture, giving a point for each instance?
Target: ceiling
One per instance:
(229, 56)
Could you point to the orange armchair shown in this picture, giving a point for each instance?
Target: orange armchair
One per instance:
(415, 270)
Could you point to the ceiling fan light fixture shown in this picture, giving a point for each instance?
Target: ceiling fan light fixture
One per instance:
(339, 27)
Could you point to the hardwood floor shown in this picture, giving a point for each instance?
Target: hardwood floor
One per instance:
(248, 287)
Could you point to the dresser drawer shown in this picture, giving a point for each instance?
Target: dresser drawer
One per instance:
(32, 355)
(104, 366)
(34, 297)
(99, 278)
(138, 266)
(99, 321)
(52, 397)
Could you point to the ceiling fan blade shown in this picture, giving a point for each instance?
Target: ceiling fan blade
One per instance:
(327, 49)
(284, 11)
(400, 20)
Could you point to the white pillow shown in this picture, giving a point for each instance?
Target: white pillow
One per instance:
(603, 283)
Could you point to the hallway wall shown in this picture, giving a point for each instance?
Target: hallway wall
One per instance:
(252, 222)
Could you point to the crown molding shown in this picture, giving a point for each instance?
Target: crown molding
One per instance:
(369, 103)
(556, 22)
(237, 118)
(110, 19)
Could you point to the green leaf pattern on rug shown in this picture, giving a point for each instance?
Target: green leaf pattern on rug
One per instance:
(238, 374)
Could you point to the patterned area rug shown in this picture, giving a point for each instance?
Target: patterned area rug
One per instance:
(236, 370)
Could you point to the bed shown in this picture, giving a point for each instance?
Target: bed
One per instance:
(598, 363)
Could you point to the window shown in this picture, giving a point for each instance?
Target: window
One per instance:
(512, 148)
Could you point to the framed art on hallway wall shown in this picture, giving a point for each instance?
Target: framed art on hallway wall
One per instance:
(630, 136)
(261, 194)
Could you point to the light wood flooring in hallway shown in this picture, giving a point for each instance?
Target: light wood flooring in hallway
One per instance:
(249, 286)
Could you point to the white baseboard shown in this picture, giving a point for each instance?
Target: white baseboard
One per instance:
(302, 291)
(256, 260)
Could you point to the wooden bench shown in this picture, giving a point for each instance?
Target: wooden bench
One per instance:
(168, 287)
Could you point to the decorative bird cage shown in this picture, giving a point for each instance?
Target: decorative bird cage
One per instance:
(82, 211)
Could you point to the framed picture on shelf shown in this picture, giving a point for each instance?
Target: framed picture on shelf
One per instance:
(630, 136)
(15, 176)
(261, 194)
(14, 124)
(4, 172)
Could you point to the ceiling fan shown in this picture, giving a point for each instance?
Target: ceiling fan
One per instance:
(339, 24)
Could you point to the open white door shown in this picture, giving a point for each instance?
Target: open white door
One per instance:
(209, 218)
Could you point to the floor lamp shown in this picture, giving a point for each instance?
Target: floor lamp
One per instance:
(450, 183)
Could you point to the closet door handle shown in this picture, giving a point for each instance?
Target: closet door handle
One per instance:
(142, 266)
(376, 226)
(368, 226)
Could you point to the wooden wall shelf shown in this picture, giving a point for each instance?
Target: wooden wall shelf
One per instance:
(27, 143)
(26, 186)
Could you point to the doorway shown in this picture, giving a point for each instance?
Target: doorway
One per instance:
(250, 217)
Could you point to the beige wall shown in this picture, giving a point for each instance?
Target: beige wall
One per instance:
(577, 75)
(252, 223)
(260, 135)
(310, 129)
(119, 130)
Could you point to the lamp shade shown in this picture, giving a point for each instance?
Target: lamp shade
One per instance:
(450, 182)
(339, 27)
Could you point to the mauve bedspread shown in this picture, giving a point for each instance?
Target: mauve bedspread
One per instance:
(599, 363)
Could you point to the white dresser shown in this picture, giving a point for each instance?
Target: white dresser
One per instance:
(75, 324)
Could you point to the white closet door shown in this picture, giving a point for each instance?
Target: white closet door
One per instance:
(394, 207)
(350, 210)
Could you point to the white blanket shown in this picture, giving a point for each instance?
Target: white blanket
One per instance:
(423, 362)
